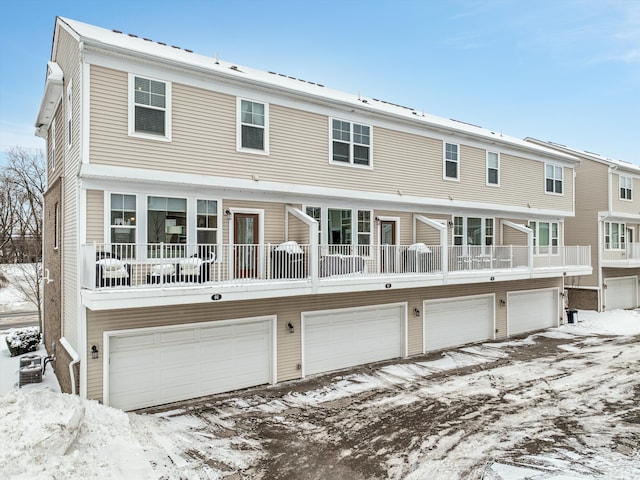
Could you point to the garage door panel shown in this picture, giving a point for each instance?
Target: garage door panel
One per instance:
(187, 363)
(458, 321)
(532, 310)
(185, 336)
(621, 293)
(345, 338)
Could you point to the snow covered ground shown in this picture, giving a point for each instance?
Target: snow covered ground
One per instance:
(562, 404)
(10, 298)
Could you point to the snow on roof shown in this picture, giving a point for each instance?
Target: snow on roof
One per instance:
(586, 154)
(133, 44)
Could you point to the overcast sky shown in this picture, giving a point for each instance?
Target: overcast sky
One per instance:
(561, 70)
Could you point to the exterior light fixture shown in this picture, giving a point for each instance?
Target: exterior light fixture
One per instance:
(290, 327)
(94, 351)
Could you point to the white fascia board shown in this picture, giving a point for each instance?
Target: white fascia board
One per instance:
(142, 180)
(619, 216)
(50, 98)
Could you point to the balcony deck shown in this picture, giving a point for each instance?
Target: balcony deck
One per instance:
(156, 274)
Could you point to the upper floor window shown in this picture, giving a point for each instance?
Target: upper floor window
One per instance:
(150, 107)
(545, 237)
(451, 161)
(614, 236)
(350, 143)
(253, 126)
(69, 113)
(493, 168)
(553, 179)
(626, 187)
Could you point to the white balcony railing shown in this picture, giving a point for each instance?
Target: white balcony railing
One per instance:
(627, 253)
(142, 265)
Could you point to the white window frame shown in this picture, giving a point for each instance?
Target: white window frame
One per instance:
(556, 168)
(465, 234)
(626, 185)
(132, 110)
(496, 168)
(56, 226)
(619, 242)
(217, 229)
(551, 249)
(351, 143)
(446, 159)
(109, 226)
(363, 250)
(319, 219)
(240, 123)
(69, 114)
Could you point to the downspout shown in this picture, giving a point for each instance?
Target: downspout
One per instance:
(75, 360)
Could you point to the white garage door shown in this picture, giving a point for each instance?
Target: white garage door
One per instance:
(620, 292)
(345, 338)
(166, 365)
(532, 310)
(458, 321)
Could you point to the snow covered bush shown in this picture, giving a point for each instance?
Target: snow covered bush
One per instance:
(23, 340)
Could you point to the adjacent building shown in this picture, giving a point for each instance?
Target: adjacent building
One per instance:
(607, 217)
(210, 227)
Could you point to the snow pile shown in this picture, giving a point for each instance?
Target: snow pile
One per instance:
(55, 435)
(615, 322)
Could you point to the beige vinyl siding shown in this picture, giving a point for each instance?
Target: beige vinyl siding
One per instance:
(95, 216)
(289, 353)
(511, 236)
(624, 206)
(204, 139)
(406, 225)
(274, 214)
(591, 197)
(67, 56)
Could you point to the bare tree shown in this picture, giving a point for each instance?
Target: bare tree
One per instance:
(22, 185)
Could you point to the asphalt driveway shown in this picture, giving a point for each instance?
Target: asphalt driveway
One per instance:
(562, 402)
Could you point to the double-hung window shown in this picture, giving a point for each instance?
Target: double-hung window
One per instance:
(545, 237)
(207, 227)
(149, 108)
(451, 161)
(350, 143)
(553, 179)
(253, 126)
(493, 168)
(614, 236)
(626, 187)
(123, 224)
